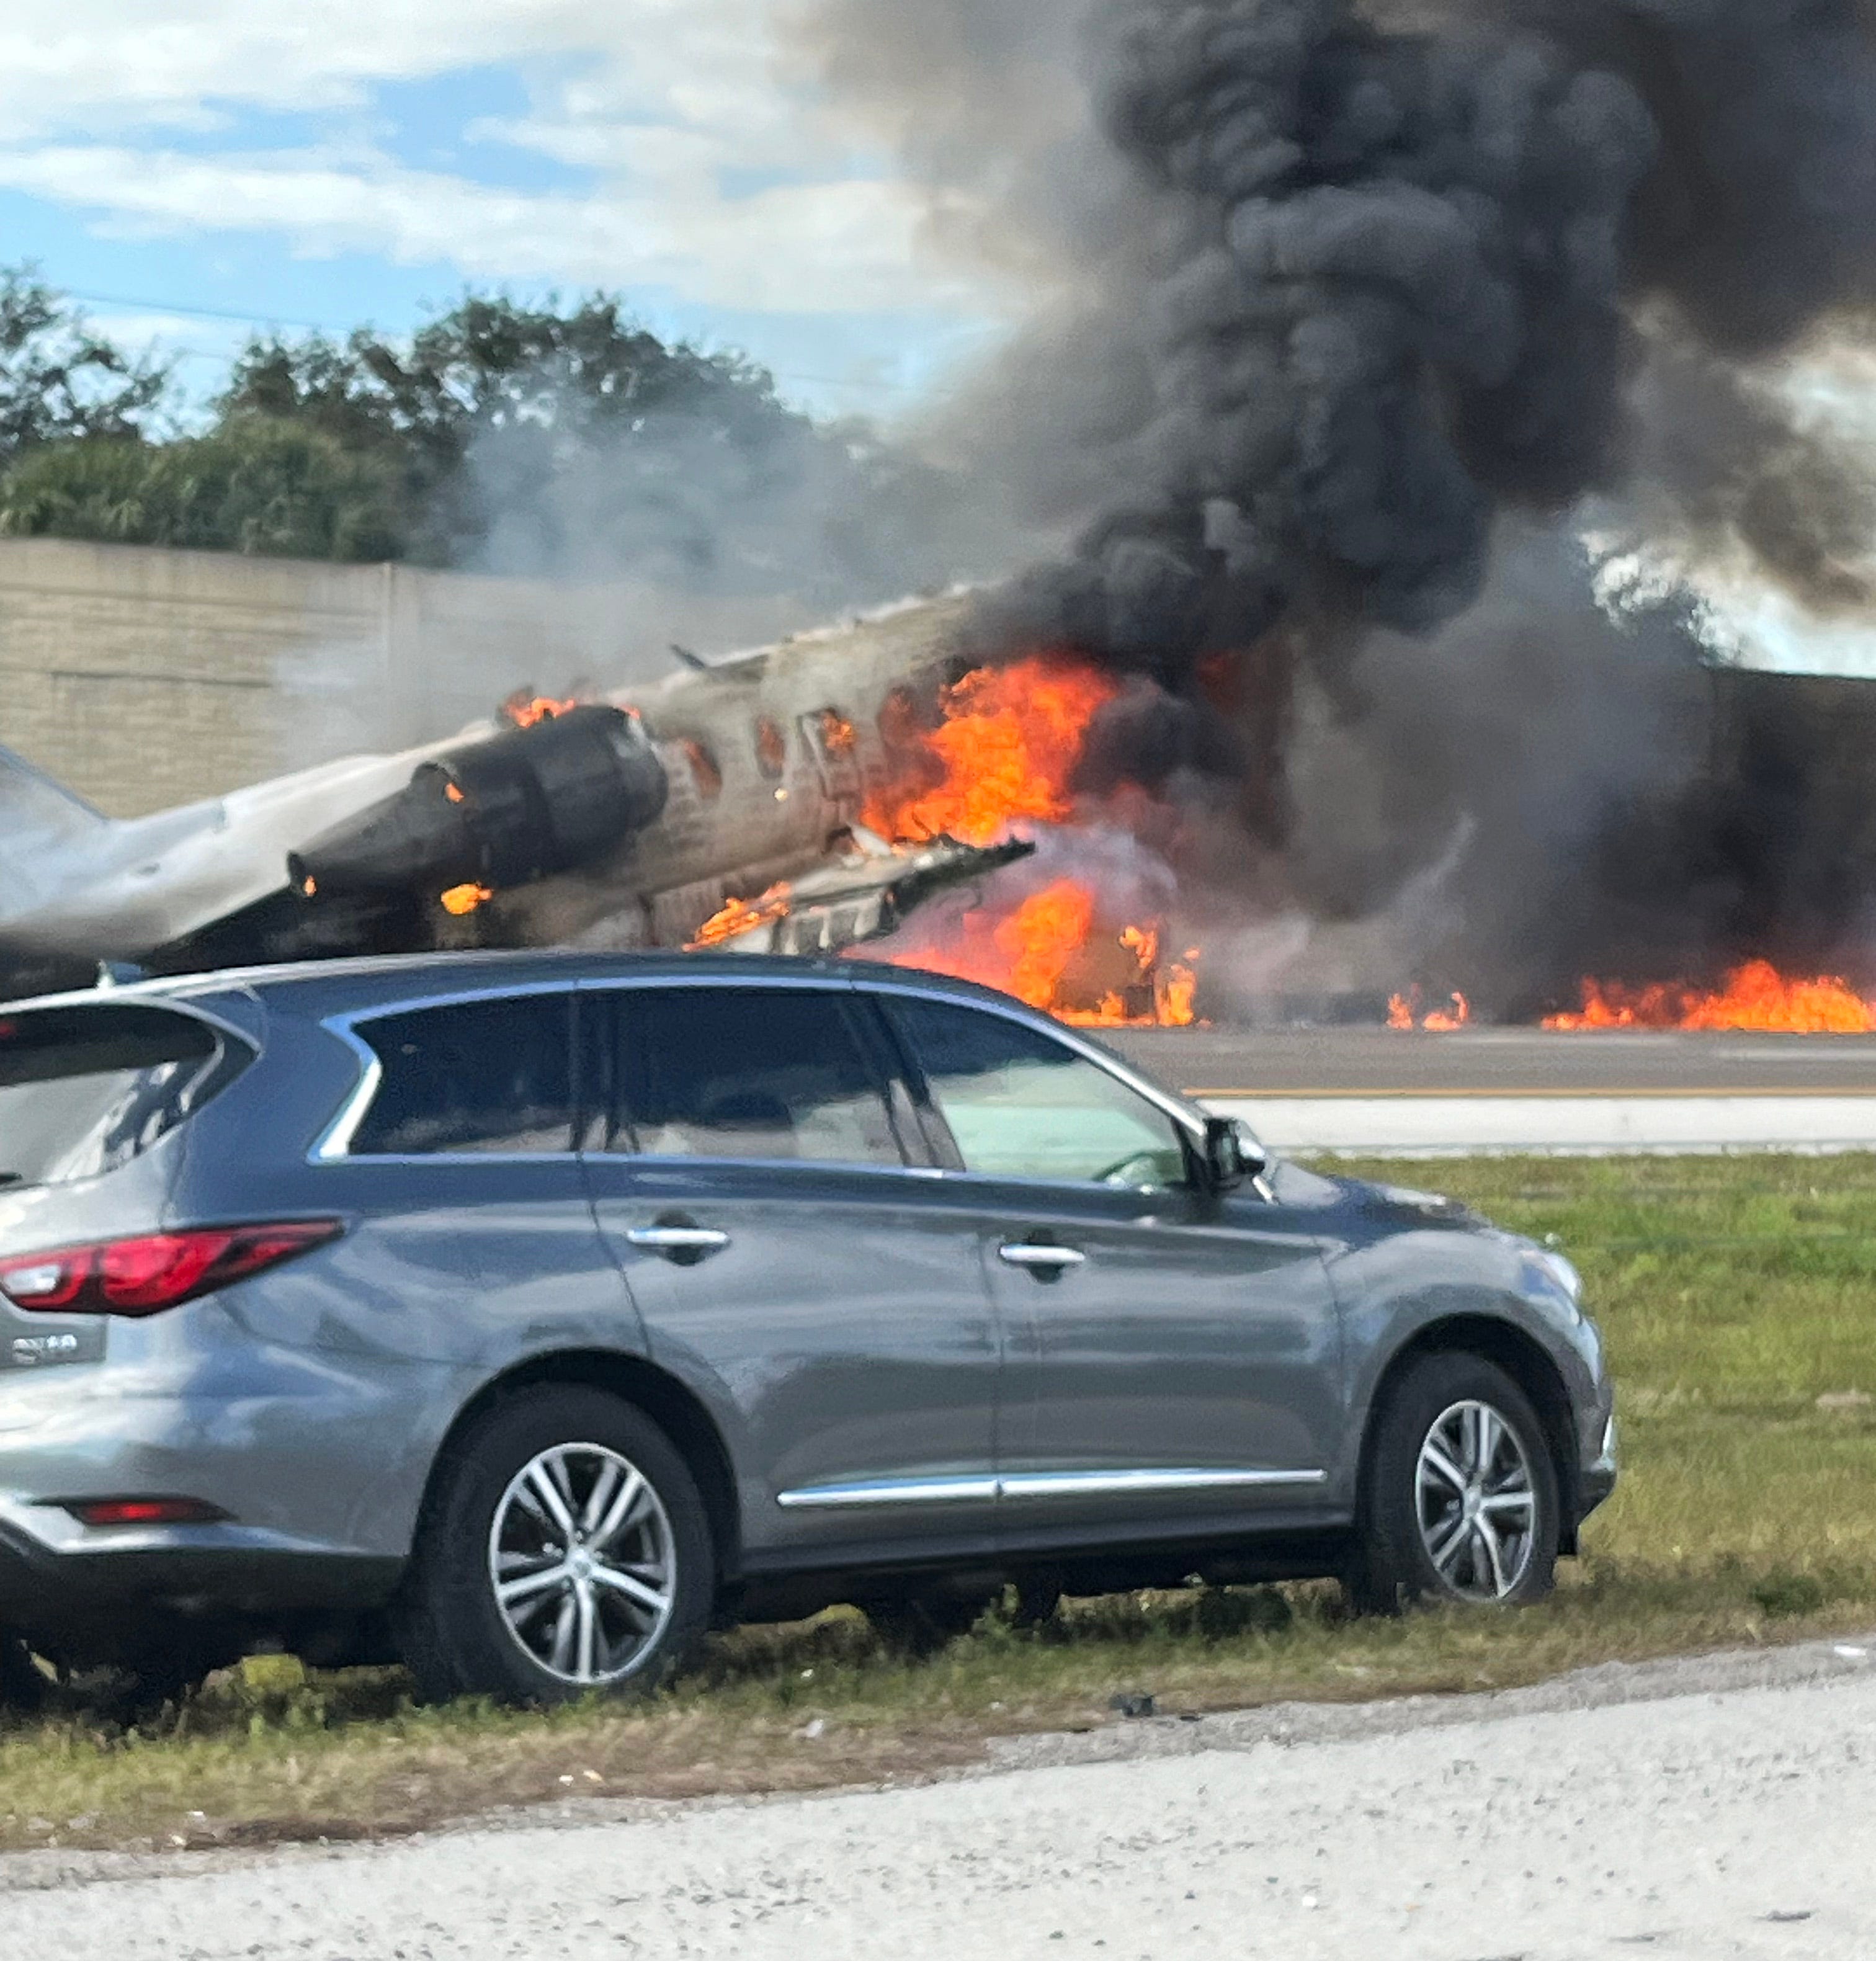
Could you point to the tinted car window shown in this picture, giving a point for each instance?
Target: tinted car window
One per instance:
(1020, 1105)
(475, 1076)
(85, 1090)
(745, 1072)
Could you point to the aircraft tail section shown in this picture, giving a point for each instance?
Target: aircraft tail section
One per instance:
(33, 808)
(41, 825)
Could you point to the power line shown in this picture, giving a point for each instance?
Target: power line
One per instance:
(254, 320)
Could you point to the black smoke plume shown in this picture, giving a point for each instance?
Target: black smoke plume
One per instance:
(1379, 282)
(1325, 292)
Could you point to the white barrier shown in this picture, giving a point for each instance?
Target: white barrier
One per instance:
(1433, 1125)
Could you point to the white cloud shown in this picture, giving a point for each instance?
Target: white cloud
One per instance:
(104, 103)
(843, 246)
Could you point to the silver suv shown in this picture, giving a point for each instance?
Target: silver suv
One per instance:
(524, 1315)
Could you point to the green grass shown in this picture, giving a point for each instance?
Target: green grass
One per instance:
(1734, 1293)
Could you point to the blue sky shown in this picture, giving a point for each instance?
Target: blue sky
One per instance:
(199, 170)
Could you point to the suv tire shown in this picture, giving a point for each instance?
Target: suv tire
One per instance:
(563, 1550)
(1460, 1497)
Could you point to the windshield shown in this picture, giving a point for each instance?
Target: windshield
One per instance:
(84, 1090)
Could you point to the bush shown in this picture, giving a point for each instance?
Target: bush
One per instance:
(253, 486)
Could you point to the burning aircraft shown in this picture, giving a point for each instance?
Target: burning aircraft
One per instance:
(803, 798)
(625, 821)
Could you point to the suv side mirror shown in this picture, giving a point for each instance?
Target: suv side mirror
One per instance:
(1231, 1158)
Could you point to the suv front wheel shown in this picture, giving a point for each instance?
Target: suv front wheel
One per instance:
(564, 1549)
(1460, 1499)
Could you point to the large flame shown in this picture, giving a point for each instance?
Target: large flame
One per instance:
(1002, 760)
(1005, 750)
(1040, 949)
(1756, 996)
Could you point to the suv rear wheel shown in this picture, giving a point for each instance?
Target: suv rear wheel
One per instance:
(1460, 1501)
(564, 1549)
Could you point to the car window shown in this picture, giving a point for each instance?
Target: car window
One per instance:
(1021, 1105)
(745, 1072)
(85, 1090)
(493, 1076)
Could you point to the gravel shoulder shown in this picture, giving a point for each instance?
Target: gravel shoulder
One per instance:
(1714, 1806)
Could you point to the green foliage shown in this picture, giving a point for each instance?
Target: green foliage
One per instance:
(504, 438)
(529, 439)
(59, 382)
(253, 485)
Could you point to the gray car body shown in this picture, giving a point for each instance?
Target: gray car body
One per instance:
(863, 1387)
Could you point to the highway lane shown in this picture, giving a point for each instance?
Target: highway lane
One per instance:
(1521, 1089)
(1500, 1062)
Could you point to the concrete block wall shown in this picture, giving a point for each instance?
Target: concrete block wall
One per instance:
(145, 678)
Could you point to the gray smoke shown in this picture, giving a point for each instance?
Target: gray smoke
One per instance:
(1325, 292)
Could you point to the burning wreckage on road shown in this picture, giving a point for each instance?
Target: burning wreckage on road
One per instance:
(1368, 299)
(1029, 819)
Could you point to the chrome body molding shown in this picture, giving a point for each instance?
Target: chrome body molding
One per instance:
(890, 1491)
(1119, 1484)
(1038, 1484)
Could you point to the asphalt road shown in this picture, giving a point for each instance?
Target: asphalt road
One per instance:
(1367, 1090)
(1729, 1816)
(1345, 1062)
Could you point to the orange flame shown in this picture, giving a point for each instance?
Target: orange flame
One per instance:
(1754, 996)
(525, 709)
(1005, 751)
(460, 901)
(1003, 758)
(838, 735)
(1403, 1012)
(1034, 953)
(740, 916)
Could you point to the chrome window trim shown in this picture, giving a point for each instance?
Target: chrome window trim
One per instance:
(334, 1144)
(1190, 1119)
(335, 1141)
(976, 1488)
(669, 1161)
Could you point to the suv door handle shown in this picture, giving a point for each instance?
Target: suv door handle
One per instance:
(1046, 1262)
(695, 1240)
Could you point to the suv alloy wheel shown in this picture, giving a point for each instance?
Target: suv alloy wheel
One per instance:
(1460, 1501)
(564, 1550)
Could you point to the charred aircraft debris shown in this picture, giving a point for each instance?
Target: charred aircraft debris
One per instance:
(637, 821)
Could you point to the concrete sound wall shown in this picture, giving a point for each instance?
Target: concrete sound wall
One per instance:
(146, 677)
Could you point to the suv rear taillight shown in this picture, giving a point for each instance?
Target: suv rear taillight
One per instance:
(158, 1271)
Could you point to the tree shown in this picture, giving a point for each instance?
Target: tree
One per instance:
(60, 382)
(499, 437)
(532, 440)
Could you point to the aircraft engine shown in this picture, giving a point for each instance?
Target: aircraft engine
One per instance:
(520, 806)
